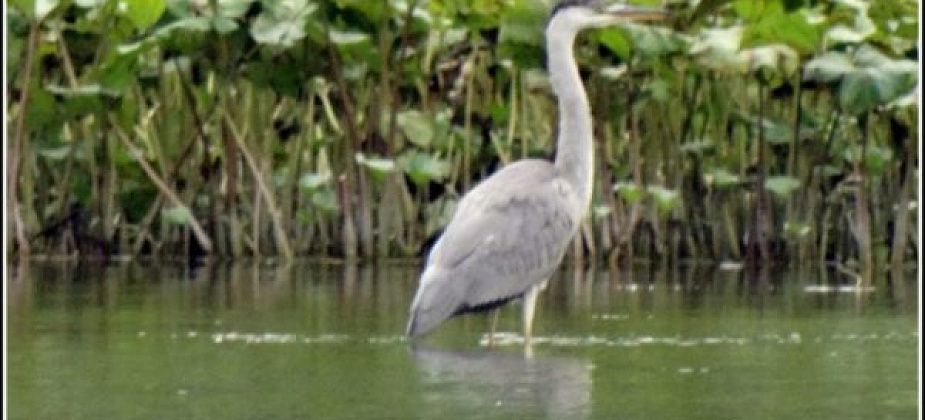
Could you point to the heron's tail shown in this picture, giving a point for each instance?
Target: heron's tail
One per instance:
(436, 300)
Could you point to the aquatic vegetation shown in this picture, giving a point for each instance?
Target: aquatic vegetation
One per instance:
(743, 131)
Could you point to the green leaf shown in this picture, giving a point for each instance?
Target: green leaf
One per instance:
(347, 37)
(628, 191)
(523, 24)
(380, 168)
(827, 170)
(791, 29)
(282, 23)
(178, 215)
(617, 41)
(867, 79)
(797, 229)
(601, 211)
(312, 181)
(233, 9)
(41, 110)
(55, 153)
(665, 199)
(142, 13)
(877, 160)
(776, 58)
(781, 186)
(721, 178)
(418, 127)
(188, 24)
(44, 7)
(224, 25)
(325, 200)
(422, 167)
(697, 147)
(718, 49)
(863, 90)
(654, 41)
(828, 67)
(81, 100)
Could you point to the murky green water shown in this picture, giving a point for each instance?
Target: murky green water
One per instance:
(316, 341)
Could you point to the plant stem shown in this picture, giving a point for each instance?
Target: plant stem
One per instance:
(201, 236)
(282, 241)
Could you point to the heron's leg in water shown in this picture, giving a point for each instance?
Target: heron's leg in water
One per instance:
(494, 326)
(529, 309)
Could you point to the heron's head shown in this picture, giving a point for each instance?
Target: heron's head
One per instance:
(575, 15)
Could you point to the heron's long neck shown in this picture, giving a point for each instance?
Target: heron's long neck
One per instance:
(574, 149)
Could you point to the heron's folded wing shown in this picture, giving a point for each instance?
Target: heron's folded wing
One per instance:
(501, 241)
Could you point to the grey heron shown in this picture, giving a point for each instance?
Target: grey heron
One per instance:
(510, 232)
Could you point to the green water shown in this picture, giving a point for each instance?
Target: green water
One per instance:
(324, 342)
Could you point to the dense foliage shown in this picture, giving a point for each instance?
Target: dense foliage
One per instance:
(739, 130)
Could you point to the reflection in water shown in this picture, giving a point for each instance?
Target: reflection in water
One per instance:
(493, 383)
(154, 340)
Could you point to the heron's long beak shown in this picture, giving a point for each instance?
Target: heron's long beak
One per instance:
(631, 13)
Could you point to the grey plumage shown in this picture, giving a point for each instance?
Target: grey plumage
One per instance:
(510, 232)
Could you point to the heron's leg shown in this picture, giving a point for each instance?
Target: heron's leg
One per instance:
(529, 309)
(494, 325)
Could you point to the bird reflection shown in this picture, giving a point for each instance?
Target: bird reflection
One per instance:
(497, 383)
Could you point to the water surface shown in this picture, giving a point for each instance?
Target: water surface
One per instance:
(155, 341)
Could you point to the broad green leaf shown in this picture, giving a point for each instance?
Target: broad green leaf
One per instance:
(866, 79)
(863, 90)
(781, 186)
(790, 29)
(422, 167)
(523, 24)
(142, 13)
(828, 67)
(617, 41)
(848, 35)
(418, 127)
(755, 10)
(718, 49)
(654, 41)
(777, 58)
(776, 132)
(282, 23)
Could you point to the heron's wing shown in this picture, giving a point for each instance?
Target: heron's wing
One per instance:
(509, 233)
